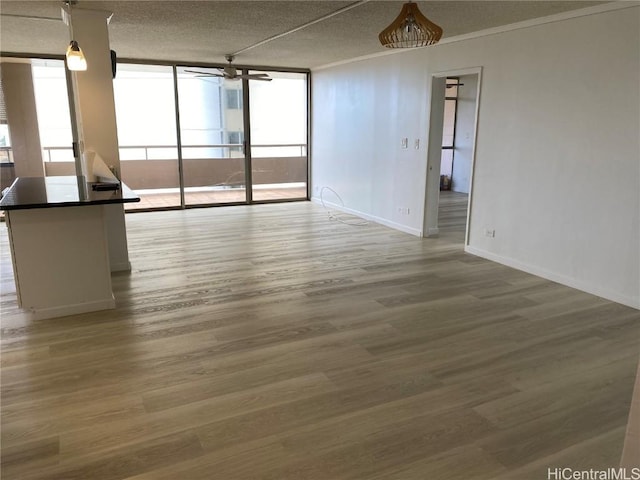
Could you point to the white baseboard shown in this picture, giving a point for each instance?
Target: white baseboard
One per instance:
(556, 277)
(371, 218)
(64, 310)
(121, 267)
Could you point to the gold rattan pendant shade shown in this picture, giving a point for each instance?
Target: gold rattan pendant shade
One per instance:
(411, 29)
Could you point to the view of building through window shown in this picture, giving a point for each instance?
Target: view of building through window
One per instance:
(212, 134)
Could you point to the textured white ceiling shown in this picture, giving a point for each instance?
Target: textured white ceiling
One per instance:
(204, 31)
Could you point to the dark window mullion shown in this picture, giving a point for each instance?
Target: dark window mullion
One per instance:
(247, 140)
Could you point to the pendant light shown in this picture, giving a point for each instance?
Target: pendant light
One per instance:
(410, 29)
(75, 57)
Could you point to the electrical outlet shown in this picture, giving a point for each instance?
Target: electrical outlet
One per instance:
(489, 233)
(416, 144)
(404, 143)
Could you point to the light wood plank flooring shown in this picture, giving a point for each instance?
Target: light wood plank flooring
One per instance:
(269, 342)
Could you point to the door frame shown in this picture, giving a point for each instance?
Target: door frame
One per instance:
(434, 151)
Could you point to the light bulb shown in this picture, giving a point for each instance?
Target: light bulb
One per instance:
(75, 57)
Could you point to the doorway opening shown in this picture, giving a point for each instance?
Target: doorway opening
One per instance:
(452, 138)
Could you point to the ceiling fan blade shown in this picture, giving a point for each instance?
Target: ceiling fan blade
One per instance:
(204, 74)
(256, 76)
(231, 74)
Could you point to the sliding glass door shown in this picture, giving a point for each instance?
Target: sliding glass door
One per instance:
(146, 119)
(278, 113)
(183, 141)
(212, 137)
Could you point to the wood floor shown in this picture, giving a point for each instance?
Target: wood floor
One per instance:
(270, 342)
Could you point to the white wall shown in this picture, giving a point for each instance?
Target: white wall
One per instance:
(557, 170)
(465, 125)
(360, 113)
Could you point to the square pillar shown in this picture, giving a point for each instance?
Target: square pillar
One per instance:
(96, 114)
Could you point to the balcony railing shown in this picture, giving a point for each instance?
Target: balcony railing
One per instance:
(170, 152)
(6, 155)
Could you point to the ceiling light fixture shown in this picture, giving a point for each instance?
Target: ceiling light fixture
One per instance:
(75, 57)
(410, 29)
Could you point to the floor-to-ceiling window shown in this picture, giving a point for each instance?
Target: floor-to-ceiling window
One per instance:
(278, 113)
(54, 118)
(207, 159)
(212, 137)
(183, 132)
(146, 119)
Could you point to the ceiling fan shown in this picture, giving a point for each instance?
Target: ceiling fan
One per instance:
(231, 73)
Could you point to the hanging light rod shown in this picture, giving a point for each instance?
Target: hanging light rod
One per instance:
(304, 25)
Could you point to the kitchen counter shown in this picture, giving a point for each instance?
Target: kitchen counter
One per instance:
(68, 191)
(59, 244)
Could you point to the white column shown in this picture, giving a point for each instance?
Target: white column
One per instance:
(96, 114)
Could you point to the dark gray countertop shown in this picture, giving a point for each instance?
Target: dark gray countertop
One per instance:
(54, 192)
